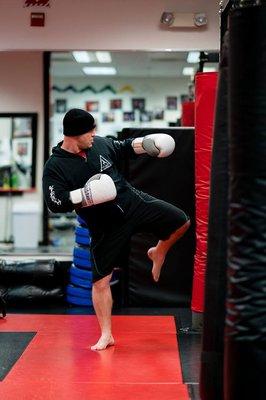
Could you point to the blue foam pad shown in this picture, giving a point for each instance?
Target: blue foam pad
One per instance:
(79, 230)
(82, 240)
(78, 301)
(81, 221)
(80, 273)
(77, 291)
(82, 263)
(83, 283)
(82, 252)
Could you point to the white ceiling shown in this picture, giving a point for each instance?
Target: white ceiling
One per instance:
(128, 64)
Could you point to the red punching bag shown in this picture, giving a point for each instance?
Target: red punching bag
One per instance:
(188, 111)
(205, 95)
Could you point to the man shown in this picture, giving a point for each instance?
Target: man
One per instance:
(83, 174)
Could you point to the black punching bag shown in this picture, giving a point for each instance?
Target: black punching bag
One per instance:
(211, 376)
(245, 332)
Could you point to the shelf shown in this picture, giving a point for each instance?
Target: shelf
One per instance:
(4, 192)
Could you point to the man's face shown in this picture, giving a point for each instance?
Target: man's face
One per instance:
(85, 141)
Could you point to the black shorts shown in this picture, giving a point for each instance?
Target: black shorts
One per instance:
(150, 215)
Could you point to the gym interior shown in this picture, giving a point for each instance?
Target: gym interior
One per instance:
(193, 70)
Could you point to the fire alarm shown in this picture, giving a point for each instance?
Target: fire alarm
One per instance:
(37, 19)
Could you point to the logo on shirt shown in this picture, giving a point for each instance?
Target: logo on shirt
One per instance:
(52, 196)
(104, 163)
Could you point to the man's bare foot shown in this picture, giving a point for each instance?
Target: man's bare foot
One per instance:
(103, 343)
(158, 260)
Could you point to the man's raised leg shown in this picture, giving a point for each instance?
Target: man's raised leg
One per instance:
(102, 302)
(157, 254)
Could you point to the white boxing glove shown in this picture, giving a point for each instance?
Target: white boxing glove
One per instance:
(100, 188)
(156, 145)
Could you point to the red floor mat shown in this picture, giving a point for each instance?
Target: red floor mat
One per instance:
(58, 363)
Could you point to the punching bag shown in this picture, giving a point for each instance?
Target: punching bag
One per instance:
(205, 95)
(245, 331)
(170, 179)
(211, 376)
(188, 113)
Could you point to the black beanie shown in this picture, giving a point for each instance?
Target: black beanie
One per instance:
(77, 121)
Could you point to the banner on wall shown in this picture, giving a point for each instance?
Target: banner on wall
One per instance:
(109, 88)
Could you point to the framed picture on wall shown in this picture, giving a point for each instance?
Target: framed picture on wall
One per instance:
(92, 106)
(21, 127)
(115, 104)
(60, 106)
(158, 114)
(138, 104)
(171, 102)
(22, 151)
(146, 116)
(129, 116)
(108, 117)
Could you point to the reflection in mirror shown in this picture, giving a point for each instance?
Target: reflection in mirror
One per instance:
(121, 89)
(17, 151)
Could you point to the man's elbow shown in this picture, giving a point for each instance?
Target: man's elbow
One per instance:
(59, 208)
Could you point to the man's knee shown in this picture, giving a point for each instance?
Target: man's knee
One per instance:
(103, 283)
(185, 226)
(187, 223)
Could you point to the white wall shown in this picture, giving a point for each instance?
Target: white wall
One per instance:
(21, 91)
(106, 24)
(153, 90)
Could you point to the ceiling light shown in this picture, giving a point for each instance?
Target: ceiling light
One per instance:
(99, 70)
(200, 19)
(193, 57)
(103, 56)
(175, 19)
(188, 71)
(167, 18)
(209, 69)
(81, 56)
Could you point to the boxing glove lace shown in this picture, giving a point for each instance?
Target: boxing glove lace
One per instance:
(100, 188)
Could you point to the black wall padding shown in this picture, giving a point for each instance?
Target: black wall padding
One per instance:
(211, 379)
(33, 281)
(28, 271)
(245, 336)
(31, 294)
(170, 179)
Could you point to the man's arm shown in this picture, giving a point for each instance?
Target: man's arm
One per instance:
(100, 188)
(156, 145)
(56, 194)
(122, 149)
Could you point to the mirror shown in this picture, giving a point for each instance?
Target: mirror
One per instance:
(17, 151)
(121, 89)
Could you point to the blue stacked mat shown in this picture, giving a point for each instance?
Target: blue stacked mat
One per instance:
(78, 291)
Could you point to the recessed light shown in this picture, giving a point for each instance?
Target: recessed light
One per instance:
(81, 56)
(188, 71)
(103, 56)
(99, 70)
(209, 69)
(193, 57)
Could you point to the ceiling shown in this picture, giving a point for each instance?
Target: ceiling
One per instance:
(128, 64)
